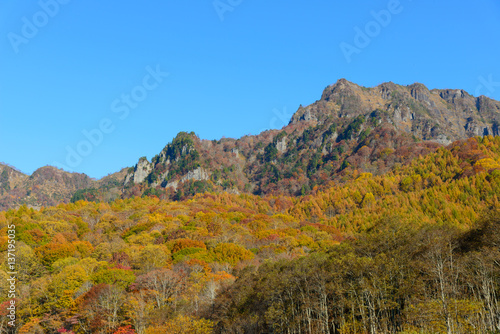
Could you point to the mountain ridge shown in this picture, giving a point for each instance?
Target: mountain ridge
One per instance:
(349, 128)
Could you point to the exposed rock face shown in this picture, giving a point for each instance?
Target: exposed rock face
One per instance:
(420, 93)
(438, 115)
(442, 139)
(198, 174)
(160, 180)
(281, 145)
(386, 89)
(495, 131)
(142, 170)
(308, 116)
(172, 184)
(451, 95)
(163, 157)
(128, 177)
(472, 128)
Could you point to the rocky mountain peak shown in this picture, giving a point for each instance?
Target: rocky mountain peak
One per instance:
(420, 92)
(386, 89)
(341, 88)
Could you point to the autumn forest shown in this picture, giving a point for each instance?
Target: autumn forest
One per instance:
(411, 250)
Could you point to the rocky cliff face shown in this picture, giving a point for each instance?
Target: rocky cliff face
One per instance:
(142, 170)
(441, 115)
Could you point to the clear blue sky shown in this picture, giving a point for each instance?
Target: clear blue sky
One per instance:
(227, 77)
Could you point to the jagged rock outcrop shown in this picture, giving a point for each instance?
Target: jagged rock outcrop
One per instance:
(438, 115)
(142, 170)
(281, 145)
(198, 174)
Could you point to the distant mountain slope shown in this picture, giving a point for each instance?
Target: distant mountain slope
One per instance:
(351, 128)
(47, 186)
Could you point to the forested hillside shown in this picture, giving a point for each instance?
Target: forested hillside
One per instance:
(410, 249)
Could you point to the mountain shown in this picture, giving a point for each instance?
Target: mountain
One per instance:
(351, 129)
(439, 115)
(49, 186)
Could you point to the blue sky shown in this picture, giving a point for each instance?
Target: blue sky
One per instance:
(235, 67)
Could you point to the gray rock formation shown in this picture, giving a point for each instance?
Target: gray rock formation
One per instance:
(142, 170)
(281, 145)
